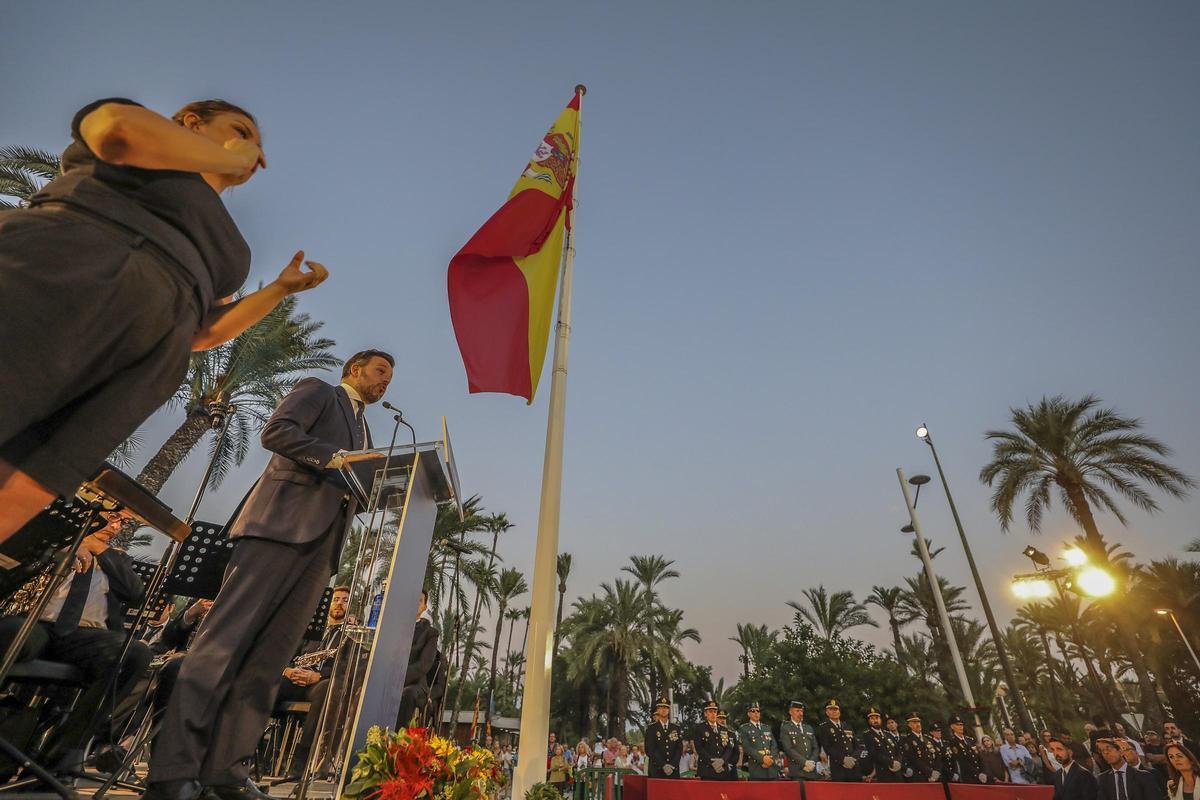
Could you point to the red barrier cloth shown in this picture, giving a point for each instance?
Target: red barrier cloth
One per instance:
(828, 790)
(1006, 791)
(639, 787)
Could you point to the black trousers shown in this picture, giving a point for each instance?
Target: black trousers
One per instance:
(226, 688)
(94, 651)
(313, 695)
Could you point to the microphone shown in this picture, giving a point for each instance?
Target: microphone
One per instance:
(400, 418)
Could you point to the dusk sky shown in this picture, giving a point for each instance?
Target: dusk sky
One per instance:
(803, 229)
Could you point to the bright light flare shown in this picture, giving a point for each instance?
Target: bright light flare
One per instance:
(1095, 582)
(922, 432)
(1075, 557)
(1032, 588)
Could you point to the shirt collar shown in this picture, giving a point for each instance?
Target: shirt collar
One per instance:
(353, 393)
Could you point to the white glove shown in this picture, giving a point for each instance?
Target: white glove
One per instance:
(983, 778)
(809, 766)
(908, 772)
(718, 764)
(955, 778)
(935, 776)
(668, 769)
(895, 766)
(848, 762)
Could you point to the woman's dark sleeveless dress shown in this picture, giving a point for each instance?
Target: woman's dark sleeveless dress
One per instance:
(103, 284)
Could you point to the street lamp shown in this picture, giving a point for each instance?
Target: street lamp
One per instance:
(1095, 582)
(1168, 612)
(936, 590)
(1074, 556)
(1001, 651)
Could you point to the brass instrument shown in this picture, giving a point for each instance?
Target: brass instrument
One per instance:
(305, 661)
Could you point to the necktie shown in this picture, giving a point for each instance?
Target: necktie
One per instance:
(1119, 778)
(71, 612)
(358, 418)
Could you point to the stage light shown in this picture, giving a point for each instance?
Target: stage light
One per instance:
(1036, 556)
(922, 432)
(1075, 556)
(1162, 612)
(1095, 582)
(1032, 588)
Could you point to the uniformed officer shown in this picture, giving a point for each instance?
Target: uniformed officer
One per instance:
(733, 755)
(840, 744)
(892, 728)
(881, 762)
(941, 764)
(712, 743)
(664, 742)
(962, 755)
(758, 746)
(918, 754)
(799, 743)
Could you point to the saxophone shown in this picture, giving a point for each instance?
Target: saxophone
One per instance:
(305, 661)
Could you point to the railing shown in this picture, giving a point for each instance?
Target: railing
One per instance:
(599, 784)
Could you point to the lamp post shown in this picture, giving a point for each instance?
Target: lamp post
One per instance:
(1010, 677)
(936, 590)
(1038, 586)
(1168, 612)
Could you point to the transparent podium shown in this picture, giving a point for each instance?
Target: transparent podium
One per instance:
(398, 492)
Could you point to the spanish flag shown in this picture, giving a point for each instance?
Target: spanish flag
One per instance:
(502, 282)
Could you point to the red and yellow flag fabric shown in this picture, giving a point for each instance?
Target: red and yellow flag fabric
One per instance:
(502, 282)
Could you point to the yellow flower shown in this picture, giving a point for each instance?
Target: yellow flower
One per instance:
(375, 735)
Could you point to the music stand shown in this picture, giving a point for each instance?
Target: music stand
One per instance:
(29, 551)
(200, 567)
(315, 631)
(145, 570)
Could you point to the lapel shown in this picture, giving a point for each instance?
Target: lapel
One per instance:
(348, 413)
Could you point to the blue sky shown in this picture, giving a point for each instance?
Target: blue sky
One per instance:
(803, 229)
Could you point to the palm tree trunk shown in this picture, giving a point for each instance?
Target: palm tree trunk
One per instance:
(475, 624)
(173, 451)
(491, 692)
(895, 634)
(562, 593)
(1155, 714)
(745, 663)
(1054, 702)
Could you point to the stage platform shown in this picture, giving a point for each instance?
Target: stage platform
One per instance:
(319, 790)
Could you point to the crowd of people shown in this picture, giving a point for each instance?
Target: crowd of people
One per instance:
(1108, 761)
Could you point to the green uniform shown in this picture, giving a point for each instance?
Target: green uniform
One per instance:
(757, 744)
(799, 743)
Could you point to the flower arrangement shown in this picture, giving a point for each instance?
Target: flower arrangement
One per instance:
(412, 764)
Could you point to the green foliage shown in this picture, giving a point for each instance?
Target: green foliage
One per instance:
(542, 791)
(804, 665)
(23, 171)
(832, 614)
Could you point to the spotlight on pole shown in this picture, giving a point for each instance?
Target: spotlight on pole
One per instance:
(1032, 588)
(923, 432)
(908, 529)
(1075, 556)
(1162, 612)
(1095, 582)
(1036, 556)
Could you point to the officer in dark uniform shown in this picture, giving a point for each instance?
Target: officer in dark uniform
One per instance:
(799, 743)
(962, 754)
(664, 742)
(713, 744)
(918, 754)
(840, 745)
(882, 761)
(942, 764)
(892, 728)
(758, 746)
(733, 754)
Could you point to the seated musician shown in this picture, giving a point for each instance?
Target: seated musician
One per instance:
(83, 625)
(421, 660)
(171, 646)
(311, 683)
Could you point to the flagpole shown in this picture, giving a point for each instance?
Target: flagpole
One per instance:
(535, 700)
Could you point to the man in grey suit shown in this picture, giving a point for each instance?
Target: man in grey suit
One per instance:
(288, 533)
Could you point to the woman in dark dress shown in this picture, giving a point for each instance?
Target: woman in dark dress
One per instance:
(118, 270)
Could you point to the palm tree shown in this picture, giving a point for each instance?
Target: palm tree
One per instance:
(754, 641)
(23, 172)
(510, 584)
(833, 614)
(512, 615)
(889, 599)
(253, 371)
(563, 568)
(1084, 452)
(649, 572)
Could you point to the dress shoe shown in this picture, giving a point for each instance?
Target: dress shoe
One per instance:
(236, 791)
(174, 790)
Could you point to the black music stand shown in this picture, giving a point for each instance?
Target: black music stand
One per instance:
(155, 605)
(315, 631)
(30, 551)
(200, 566)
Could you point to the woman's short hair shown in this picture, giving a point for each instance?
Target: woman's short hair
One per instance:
(361, 358)
(207, 109)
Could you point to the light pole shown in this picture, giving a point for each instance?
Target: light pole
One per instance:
(936, 589)
(1168, 612)
(1010, 677)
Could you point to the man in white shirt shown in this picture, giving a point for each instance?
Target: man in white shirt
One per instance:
(1017, 758)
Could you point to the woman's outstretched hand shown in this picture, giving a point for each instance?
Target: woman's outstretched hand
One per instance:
(295, 279)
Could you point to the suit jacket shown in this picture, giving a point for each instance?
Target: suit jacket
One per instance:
(423, 655)
(1075, 783)
(1139, 785)
(296, 499)
(125, 586)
